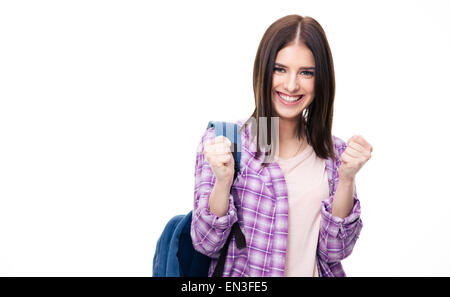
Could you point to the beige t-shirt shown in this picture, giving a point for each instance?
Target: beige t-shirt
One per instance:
(307, 185)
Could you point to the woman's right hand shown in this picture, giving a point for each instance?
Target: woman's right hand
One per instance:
(218, 154)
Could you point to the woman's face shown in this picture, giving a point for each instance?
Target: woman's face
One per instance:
(293, 81)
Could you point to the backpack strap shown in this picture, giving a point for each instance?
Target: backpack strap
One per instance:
(229, 130)
(240, 242)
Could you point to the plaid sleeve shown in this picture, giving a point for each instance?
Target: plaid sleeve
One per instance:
(208, 231)
(337, 236)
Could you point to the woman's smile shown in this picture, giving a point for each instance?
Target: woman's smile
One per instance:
(289, 100)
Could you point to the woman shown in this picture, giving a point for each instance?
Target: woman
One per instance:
(296, 201)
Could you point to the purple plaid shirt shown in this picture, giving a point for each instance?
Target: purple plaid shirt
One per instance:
(259, 203)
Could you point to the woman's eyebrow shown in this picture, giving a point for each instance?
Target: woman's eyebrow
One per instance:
(304, 67)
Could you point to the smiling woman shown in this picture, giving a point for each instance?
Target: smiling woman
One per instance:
(296, 203)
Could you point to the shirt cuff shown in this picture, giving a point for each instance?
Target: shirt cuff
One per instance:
(340, 227)
(224, 222)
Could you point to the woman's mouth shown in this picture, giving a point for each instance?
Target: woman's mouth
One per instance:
(288, 100)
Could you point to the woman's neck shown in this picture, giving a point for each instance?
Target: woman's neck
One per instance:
(289, 143)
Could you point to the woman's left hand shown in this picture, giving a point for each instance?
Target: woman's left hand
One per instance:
(357, 153)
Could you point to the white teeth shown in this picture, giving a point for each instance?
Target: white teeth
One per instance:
(290, 99)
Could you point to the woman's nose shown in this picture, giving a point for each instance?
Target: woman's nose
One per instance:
(291, 83)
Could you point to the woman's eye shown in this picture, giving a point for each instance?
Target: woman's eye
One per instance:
(307, 73)
(278, 69)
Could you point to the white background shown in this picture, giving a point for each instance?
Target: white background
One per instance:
(103, 104)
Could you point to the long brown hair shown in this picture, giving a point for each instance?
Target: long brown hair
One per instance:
(316, 119)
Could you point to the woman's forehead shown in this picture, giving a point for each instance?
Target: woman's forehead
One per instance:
(296, 55)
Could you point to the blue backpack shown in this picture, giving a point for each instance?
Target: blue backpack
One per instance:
(175, 255)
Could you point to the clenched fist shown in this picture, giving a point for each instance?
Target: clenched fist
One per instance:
(218, 154)
(357, 153)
